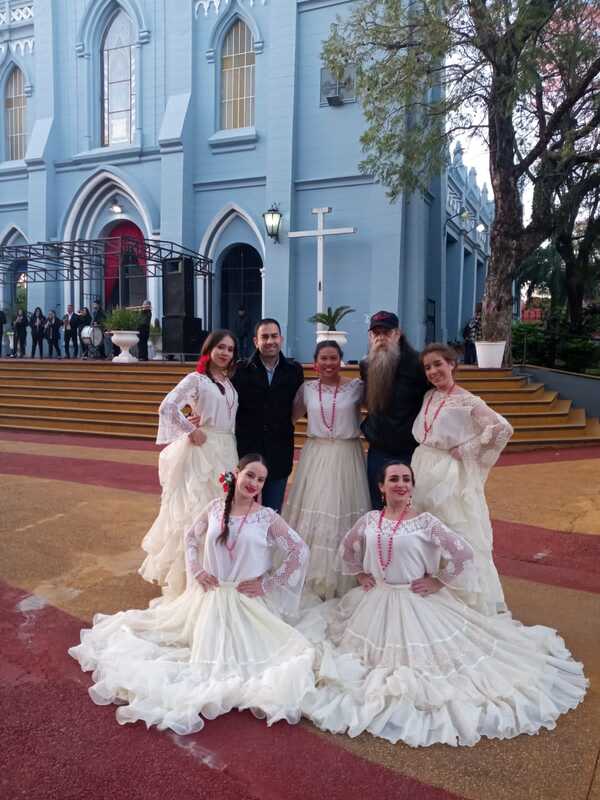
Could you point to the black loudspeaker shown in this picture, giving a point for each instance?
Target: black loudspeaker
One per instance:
(178, 287)
(183, 335)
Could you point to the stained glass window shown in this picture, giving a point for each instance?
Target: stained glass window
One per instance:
(15, 106)
(118, 81)
(237, 78)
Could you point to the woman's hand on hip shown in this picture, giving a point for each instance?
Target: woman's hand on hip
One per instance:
(366, 580)
(197, 437)
(251, 588)
(207, 581)
(426, 585)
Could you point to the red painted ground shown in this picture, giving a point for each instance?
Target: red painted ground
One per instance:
(57, 745)
(548, 456)
(104, 442)
(113, 474)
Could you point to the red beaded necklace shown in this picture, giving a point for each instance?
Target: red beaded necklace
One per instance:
(390, 547)
(329, 426)
(426, 426)
(231, 547)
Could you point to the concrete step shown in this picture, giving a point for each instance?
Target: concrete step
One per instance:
(129, 430)
(82, 412)
(559, 437)
(18, 400)
(44, 392)
(100, 382)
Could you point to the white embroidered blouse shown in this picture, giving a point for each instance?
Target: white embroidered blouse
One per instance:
(420, 546)
(464, 422)
(216, 409)
(249, 553)
(347, 409)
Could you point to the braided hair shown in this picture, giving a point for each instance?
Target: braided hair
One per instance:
(247, 459)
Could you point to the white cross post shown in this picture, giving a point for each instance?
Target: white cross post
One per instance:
(321, 233)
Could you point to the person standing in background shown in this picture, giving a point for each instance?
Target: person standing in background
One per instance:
(38, 326)
(20, 324)
(144, 330)
(2, 324)
(52, 333)
(71, 324)
(472, 334)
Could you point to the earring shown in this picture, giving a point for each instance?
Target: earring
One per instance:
(382, 498)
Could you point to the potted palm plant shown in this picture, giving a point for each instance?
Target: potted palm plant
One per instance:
(123, 325)
(329, 320)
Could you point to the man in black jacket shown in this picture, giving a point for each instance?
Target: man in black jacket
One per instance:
(267, 383)
(395, 384)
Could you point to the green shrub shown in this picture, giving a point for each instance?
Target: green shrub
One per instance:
(123, 319)
(528, 343)
(578, 353)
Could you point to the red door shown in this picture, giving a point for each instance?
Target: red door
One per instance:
(131, 244)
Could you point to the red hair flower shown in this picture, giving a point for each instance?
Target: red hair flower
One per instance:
(202, 364)
(226, 479)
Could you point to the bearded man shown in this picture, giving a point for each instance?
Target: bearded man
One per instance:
(395, 385)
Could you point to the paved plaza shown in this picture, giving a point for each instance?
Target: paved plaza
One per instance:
(74, 510)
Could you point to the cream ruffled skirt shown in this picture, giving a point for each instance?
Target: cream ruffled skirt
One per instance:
(427, 670)
(189, 479)
(329, 494)
(454, 493)
(200, 655)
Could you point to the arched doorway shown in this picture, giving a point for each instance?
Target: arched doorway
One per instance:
(124, 266)
(241, 286)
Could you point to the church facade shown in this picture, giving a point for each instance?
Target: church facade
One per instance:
(186, 120)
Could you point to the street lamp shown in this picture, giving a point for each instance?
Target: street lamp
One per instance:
(272, 219)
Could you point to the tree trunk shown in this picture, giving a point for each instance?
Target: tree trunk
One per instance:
(498, 295)
(574, 296)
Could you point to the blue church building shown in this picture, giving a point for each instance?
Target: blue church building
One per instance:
(185, 121)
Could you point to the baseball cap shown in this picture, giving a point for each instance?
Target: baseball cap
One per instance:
(384, 319)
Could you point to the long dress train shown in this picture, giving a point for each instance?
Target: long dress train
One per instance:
(452, 487)
(428, 670)
(330, 491)
(188, 473)
(206, 652)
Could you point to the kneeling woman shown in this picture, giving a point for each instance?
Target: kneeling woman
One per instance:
(414, 663)
(221, 644)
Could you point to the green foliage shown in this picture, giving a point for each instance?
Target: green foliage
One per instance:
(123, 319)
(332, 317)
(578, 353)
(528, 343)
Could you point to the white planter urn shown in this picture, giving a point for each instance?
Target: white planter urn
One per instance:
(125, 340)
(490, 354)
(341, 337)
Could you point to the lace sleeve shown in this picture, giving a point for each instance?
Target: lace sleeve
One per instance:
(194, 542)
(494, 435)
(352, 549)
(457, 567)
(299, 407)
(172, 423)
(284, 585)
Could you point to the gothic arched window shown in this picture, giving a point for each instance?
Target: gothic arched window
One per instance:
(118, 81)
(237, 78)
(15, 107)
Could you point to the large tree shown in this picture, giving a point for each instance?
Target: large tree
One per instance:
(522, 74)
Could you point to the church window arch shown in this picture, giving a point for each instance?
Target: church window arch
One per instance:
(118, 65)
(15, 115)
(238, 77)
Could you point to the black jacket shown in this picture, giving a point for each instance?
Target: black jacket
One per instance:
(391, 431)
(264, 418)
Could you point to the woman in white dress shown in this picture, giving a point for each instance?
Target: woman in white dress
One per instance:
(460, 439)
(330, 491)
(202, 446)
(412, 662)
(222, 644)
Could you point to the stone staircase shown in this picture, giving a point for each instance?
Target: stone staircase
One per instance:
(94, 397)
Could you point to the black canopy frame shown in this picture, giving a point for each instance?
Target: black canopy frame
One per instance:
(84, 260)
